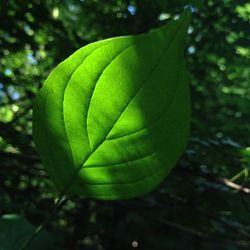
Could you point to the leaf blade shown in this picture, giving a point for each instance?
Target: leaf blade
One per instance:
(102, 118)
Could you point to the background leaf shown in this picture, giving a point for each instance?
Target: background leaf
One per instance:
(14, 230)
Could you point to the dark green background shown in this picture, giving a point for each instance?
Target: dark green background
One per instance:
(195, 207)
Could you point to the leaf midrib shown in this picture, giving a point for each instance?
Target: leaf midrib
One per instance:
(141, 86)
(89, 155)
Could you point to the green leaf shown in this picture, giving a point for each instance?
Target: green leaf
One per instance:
(14, 230)
(245, 153)
(112, 120)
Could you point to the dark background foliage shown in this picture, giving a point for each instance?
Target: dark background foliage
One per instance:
(204, 203)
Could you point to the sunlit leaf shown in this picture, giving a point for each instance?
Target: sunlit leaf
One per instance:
(112, 120)
(245, 153)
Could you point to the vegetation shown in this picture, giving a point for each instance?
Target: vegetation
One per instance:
(203, 203)
(112, 120)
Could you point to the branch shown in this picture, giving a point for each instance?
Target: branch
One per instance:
(233, 185)
(220, 180)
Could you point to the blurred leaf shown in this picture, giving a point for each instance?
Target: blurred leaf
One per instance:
(14, 230)
(245, 153)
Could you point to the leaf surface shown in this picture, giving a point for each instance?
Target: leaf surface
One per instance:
(112, 120)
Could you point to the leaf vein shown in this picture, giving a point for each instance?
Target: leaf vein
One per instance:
(98, 80)
(155, 121)
(120, 163)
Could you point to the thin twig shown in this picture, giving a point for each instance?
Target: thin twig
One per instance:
(242, 231)
(233, 185)
(221, 180)
(181, 227)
